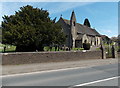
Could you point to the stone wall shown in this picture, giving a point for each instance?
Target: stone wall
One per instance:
(44, 57)
(118, 54)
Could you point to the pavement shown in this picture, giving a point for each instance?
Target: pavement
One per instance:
(102, 75)
(27, 68)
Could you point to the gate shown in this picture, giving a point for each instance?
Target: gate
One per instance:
(111, 51)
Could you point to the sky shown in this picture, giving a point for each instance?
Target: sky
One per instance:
(103, 16)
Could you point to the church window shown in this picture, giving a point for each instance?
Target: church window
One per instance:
(85, 41)
(74, 23)
(97, 41)
(91, 42)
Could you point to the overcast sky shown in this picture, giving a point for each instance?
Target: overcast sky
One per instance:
(103, 16)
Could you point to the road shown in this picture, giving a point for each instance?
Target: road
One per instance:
(105, 75)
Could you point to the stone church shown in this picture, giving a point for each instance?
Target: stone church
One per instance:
(77, 34)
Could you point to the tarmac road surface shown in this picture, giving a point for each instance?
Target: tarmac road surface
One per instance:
(105, 75)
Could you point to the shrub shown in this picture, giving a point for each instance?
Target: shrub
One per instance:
(86, 46)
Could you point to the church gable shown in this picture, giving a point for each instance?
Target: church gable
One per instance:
(77, 33)
(83, 29)
(65, 25)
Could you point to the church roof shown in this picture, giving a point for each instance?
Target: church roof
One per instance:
(66, 21)
(83, 29)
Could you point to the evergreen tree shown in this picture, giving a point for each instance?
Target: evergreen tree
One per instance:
(87, 23)
(30, 28)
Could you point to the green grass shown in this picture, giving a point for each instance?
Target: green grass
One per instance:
(46, 48)
(98, 49)
(53, 49)
(77, 48)
(9, 48)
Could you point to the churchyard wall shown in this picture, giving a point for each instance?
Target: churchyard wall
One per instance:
(47, 57)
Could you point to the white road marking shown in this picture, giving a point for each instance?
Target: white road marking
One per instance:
(84, 84)
(43, 71)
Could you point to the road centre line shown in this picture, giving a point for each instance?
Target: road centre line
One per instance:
(84, 84)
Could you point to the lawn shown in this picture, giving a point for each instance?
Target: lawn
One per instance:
(77, 48)
(47, 48)
(9, 48)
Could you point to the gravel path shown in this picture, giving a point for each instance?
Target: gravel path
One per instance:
(25, 68)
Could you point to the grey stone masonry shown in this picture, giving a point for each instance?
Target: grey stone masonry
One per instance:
(103, 52)
(46, 57)
(114, 52)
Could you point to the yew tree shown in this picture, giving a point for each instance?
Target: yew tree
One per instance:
(29, 29)
(87, 23)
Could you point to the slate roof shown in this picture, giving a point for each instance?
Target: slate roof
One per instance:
(83, 29)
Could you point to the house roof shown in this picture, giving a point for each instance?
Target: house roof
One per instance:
(83, 29)
(104, 36)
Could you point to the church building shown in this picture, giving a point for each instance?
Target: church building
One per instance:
(77, 33)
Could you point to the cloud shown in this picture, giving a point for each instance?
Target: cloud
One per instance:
(0, 7)
(0, 12)
(115, 36)
(108, 31)
(61, 7)
(53, 7)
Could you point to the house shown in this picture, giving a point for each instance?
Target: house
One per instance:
(77, 34)
(106, 39)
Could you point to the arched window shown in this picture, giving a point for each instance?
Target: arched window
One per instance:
(91, 42)
(85, 41)
(74, 23)
(97, 41)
